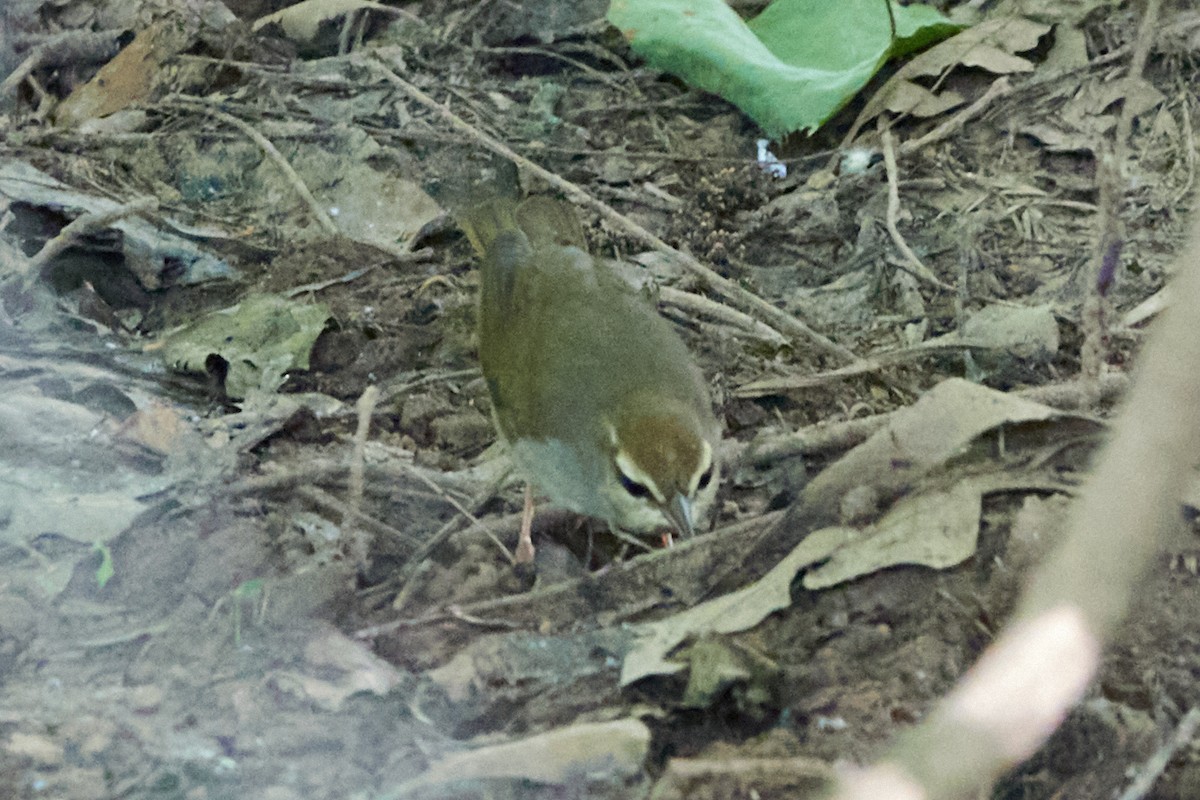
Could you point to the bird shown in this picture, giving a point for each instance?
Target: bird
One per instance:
(595, 395)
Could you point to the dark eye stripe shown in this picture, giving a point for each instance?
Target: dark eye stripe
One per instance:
(706, 478)
(638, 490)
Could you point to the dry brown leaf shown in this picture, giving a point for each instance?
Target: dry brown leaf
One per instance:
(925, 436)
(990, 45)
(567, 756)
(157, 427)
(338, 667)
(125, 80)
(936, 529)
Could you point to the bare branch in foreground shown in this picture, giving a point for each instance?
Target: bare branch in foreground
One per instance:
(1025, 683)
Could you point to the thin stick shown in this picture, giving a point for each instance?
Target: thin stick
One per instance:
(81, 226)
(999, 89)
(323, 499)
(1137, 65)
(471, 518)
(360, 549)
(878, 361)
(1113, 172)
(917, 267)
(317, 286)
(1112, 178)
(561, 594)
(727, 289)
(826, 437)
(68, 47)
(271, 152)
(363, 408)
(1185, 732)
(700, 305)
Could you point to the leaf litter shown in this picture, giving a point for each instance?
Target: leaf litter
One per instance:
(233, 642)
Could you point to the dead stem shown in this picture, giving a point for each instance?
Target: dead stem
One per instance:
(916, 266)
(1112, 177)
(81, 226)
(466, 514)
(360, 546)
(355, 516)
(699, 305)
(827, 437)
(525, 607)
(999, 89)
(65, 47)
(268, 149)
(1146, 776)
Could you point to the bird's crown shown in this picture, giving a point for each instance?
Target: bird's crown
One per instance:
(662, 461)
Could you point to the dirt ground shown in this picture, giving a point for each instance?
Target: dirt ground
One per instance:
(210, 594)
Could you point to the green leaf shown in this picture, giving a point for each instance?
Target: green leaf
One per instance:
(260, 338)
(793, 66)
(105, 571)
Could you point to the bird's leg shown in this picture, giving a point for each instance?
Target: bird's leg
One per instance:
(524, 552)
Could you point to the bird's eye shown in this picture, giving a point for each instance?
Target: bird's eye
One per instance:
(705, 478)
(638, 490)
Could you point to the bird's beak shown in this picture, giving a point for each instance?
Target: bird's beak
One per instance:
(679, 513)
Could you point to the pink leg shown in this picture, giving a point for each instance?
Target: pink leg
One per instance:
(524, 554)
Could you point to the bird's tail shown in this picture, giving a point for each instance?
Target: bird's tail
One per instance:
(546, 222)
(484, 223)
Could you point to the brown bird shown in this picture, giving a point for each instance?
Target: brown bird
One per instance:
(594, 393)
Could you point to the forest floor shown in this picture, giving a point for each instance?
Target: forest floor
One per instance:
(209, 592)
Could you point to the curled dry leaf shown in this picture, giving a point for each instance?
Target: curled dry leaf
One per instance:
(302, 20)
(564, 756)
(991, 45)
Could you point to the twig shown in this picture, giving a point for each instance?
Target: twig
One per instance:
(916, 266)
(394, 389)
(415, 563)
(1143, 782)
(794, 776)
(999, 89)
(553, 607)
(874, 363)
(543, 52)
(360, 550)
(271, 152)
(824, 437)
(1112, 170)
(323, 499)
(81, 226)
(464, 19)
(312, 472)
(1137, 65)
(1006, 706)
(317, 286)
(1189, 155)
(727, 289)
(827, 437)
(698, 305)
(467, 515)
(456, 612)
(1071, 395)
(68, 47)
(1148, 308)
